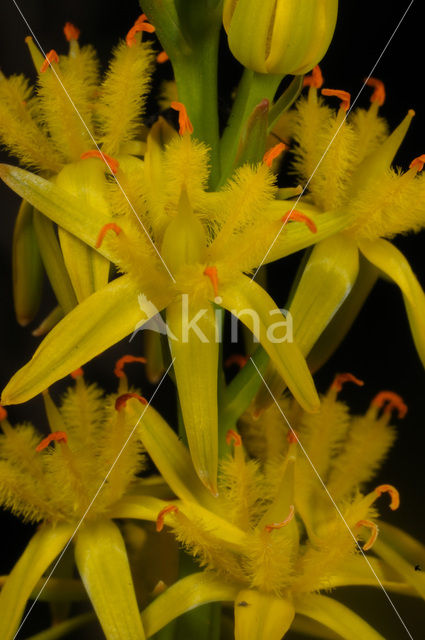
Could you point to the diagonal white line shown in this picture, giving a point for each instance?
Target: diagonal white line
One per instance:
(93, 499)
(288, 215)
(333, 502)
(95, 144)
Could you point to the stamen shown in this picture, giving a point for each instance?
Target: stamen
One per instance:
(344, 96)
(394, 494)
(162, 57)
(141, 24)
(279, 525)
(113, 164)
(379, 94)
(273, 153)
(374, 529)
(184, 122)
(56, 436)
(3, 414)
(104, 230)
(232, 436)
(77, 373)
(418, 163)
(236, 358)
(171, 508)
(341, 378)
(211, 273)
(119, 365)
(71, 31)
(315, 80)
(297, 216)
(52, 56)
(121, 401)
(392, 401)
(292, 437)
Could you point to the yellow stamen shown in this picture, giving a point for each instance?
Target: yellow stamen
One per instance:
(57, 436)
(141, 24)
(279, 525)
(71, 31)
(389, 401)
(344, 96)
(418, 163)
(121, 401)
(341, 378)
(273, 153)
(52, 56)
(211, 273)
(374, 533)
(113, 164)
(315, 80)
(110, 226)
(297, 216)
(379, 93)
(3, 414)
(185, 125)
(394, 494)
(171, 508)
(232, 436)
(238, 359)
(119, 366)
(77, 373)
(162, 57)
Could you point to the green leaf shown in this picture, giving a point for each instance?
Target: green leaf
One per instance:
(41, 551)
(252, 143)
(286, 100)
(102, 561)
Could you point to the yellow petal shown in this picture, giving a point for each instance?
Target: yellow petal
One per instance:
(391, 261)
(196, 368)
(249, 302)
(96, 324)
(139, 508)
(326, 281)
(66, 210)
(102, 561)
(49, 322)
(64, 628)
(262, 615)
(336, 616)
(194, 590)
(41, 551)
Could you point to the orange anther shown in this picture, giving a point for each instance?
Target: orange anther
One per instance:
(162, 57)
(379, 94)
(52, 56)
(113, 164)
(171, 508)
(297, 216)
(374, 533)
(211, 273)
(273, 153)
(232, 436)
(71, 32)
(102, 233)
(141, 24)
(279, 525)
(392, 401)
(315, 80)
(119, 365)
(56, 436)
(3, 413)
(394, 494)
(292, 437)
(185, 125)
(344, 96)
(236, 358)
(342, 378)
(418, 163)
(121, 401)
(77, 373)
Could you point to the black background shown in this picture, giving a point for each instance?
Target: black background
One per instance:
(379, 348)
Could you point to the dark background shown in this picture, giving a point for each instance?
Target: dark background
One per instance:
(379, 348)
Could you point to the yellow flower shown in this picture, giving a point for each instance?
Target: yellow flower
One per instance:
(70, 482)
(275, 537)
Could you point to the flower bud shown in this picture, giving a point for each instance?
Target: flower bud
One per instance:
(283, 36)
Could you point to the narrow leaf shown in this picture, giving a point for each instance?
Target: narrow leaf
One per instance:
(64, 628)
(261, 615)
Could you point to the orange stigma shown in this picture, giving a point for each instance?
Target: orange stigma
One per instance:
(388, 400)
(121, 401)
(394, 495)
(292, 437)
(273, 153)
(161, 515)
(232, 436)
(342, 378)
(141, 24)
(211, 273)
(3, 413)
(52, 56)
(238, 359)
(56, 436)
(113, 164)
(119, 365)
(185, 125)
(374, 533)
(71, 32)
(315, 80)
(279, 525)
(110, 226)
(379, 90)
(418, 163)
(297, 216)
(162, 57)
(344, 96)
(78, 373)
